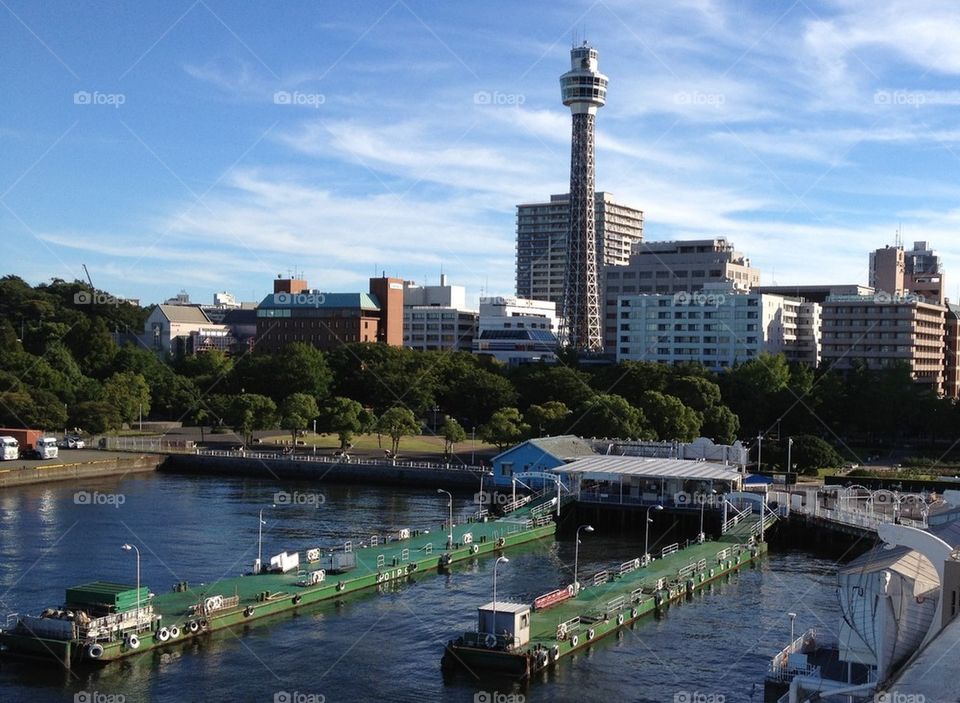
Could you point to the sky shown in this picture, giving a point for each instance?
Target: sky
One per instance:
(211, 145)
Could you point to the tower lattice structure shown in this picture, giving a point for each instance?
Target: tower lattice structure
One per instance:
(584, 90)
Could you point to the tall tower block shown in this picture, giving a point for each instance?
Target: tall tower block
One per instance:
(584, 89)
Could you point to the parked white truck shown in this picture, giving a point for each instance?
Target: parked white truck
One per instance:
(46, 448)
(9, 449)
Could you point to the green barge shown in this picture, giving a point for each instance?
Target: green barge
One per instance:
(520, 640)
(102, 621)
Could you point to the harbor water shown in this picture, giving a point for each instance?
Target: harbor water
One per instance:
(373, 646)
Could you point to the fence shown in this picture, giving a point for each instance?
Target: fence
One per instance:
(165, 446)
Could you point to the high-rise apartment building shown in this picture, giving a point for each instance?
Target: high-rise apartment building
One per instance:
(918, 271)
(882, 330)
(542, 230)
(719, 326)
(674, 267)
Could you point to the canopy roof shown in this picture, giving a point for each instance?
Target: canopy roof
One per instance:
(607, 468)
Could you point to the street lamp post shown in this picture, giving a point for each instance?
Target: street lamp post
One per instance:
(127, 548)
(789, 454)
(480, 496)
(793, 617)
(257, 567)
(759, 450)
(703, 503)
(646, 540)
(450, 504)
(500, 560)
(576, 556)
(473, 446)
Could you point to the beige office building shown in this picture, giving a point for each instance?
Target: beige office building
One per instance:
(882, 330)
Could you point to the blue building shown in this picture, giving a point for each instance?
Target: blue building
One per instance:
(538, 455)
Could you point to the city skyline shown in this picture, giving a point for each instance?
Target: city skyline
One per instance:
(188, 148)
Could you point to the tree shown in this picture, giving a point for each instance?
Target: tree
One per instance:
(695, 392)
(296, 412)
(505, 428)
(631, 379)
(540, 383)
(811, 453)
(297, 368)
(128, 393)
(93, 346)
(398, 422)
(671, 419)
(720, 424)
(469, 392)
(379, 376)
(550, 419)
(95, 417)
(610, 415)
(36, 408)
(452, 432)
(344, 417)
(249, 412)
(755, 391)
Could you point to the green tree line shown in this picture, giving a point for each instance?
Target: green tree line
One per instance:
(61, 367)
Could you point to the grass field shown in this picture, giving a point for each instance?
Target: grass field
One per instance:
(423, 444)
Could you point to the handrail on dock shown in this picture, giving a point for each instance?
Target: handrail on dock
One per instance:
(669, 549)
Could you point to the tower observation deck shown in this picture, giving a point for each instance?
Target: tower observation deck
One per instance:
(584, 89)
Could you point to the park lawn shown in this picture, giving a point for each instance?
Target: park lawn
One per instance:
(422, 444)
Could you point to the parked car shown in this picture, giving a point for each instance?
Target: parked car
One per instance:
(71, 442)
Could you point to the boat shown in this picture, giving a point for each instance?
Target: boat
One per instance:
(103, 621)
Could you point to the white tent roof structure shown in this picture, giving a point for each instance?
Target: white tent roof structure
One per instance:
(612, 468)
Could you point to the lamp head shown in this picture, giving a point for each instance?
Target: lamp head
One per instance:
(588, 528)
(658, 507)
(126, 547)
(503, 560)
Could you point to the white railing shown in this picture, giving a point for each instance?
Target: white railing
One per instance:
(167, 446)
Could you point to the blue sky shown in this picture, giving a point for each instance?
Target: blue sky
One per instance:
(210, 145)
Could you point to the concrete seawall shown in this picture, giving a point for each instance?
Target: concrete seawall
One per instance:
(96, 468)
(290, 468)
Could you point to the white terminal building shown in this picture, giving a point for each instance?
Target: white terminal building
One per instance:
(718, 326)
(437, 318)
(517, 330)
